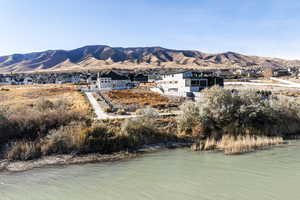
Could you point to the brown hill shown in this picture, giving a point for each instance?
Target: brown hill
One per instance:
(101, 56)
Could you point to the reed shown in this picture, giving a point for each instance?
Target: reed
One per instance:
(24, 150)
(231, 144)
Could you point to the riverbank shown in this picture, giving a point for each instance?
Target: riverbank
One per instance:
(169, 174)
(67, 159)
(232, 121)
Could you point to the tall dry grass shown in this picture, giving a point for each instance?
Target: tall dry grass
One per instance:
(100, 137)
(24, 150)
(31, 122)
(243, 144)
(232, 144)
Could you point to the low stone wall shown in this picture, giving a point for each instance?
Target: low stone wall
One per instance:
(116, 106)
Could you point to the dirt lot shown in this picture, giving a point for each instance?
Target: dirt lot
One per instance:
(14, 96)
(142, 98)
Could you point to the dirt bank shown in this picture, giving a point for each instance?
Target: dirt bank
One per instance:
(18, 166)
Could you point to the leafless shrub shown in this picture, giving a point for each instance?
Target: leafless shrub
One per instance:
(221, 111)
(66, 139)
(23, 122)
(147, 113)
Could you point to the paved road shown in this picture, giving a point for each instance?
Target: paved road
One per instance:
(286, 82)
(294, 85)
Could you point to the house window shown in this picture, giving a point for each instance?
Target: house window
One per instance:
(203, 82)
(173, 90)
(195, 83)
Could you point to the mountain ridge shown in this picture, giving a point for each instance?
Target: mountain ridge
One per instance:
(104, 56)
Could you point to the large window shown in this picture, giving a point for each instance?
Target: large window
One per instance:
(195, 83)
(201, 82)
(173, 90)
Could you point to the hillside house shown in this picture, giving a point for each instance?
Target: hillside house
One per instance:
(188, 83)
(113, 81)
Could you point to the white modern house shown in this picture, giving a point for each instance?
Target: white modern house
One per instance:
(186, 84)
(113, 81)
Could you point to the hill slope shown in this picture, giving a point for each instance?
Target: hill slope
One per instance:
(101, 56)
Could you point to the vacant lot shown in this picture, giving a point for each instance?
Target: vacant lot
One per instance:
(29, 113)
(141, 98)
(20, 96)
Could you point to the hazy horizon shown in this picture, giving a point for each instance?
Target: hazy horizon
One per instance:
(269, 28)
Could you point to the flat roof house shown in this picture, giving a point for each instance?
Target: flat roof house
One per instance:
(187, 83)
(113, 81)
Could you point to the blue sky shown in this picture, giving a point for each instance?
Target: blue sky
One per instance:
(254, 27)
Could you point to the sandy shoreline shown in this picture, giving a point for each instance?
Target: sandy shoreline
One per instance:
(66, 159)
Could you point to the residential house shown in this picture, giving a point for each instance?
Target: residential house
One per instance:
(188, 83)
(27, 80)
(113, 81)
(92, 79)
(138, 78)
(153, 77)
(5, 80)
(75, 79)
(281, 72)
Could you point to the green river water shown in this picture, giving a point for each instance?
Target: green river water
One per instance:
(174, 174)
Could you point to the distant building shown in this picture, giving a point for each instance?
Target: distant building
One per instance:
(138, 78)
(153, 78)
(188, 83)
(75, 79)
(113, 81)
(27, 80)
(281, 72)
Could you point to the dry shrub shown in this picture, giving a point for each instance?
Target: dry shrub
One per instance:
(220, 111)
(142, 130)
(139, 132)
(44, 104)
(102, 138)
(121, 111)
(148, 113)
(189, 119)
(23, 122)
(24, 150)
(66, 139)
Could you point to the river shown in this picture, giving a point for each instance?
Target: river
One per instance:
(174, 174)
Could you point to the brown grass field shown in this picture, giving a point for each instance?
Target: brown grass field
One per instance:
(18, 96)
